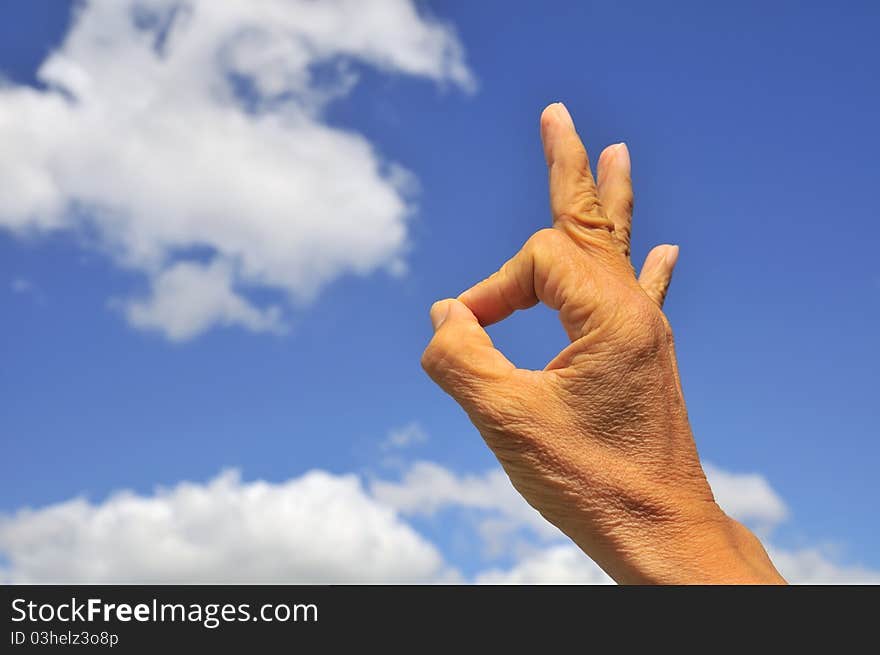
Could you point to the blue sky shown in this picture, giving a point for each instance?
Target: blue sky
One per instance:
(753, 135)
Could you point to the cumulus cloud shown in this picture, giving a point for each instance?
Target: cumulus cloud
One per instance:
(172, 131)
(747, 497)
(427, 487)
(814, 566)
(317, 528)
(562, 564)
(187, 298)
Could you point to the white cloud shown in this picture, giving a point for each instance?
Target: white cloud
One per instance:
(187, 298)
(426, 488)
(813, 566)
(410, 434)
(318, 528)
(144, 141)
(562, 564)
(747, 497)
(315, 528)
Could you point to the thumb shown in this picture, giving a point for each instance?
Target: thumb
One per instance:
(461, 357)
(657, 272)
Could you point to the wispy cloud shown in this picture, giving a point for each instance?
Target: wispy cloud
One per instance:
(411, 434)
(21, 285)
(26, 288)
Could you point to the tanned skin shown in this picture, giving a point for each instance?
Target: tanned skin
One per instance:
(599, 441)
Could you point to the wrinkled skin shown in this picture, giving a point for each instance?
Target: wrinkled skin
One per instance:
(599, 441)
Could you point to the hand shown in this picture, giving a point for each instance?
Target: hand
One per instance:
(599, 441)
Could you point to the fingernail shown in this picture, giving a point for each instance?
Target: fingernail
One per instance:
(562, 111)
(623, 152)
(671, 256)
(439, 312)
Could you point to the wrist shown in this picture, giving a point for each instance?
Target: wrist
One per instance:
(709, 549)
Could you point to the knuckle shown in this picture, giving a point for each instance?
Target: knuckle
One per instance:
(586, 198)
(544, 241)
(636, 330)
(584, 208)
(435, 358)
(547, 249)
(462, 370)
(588, 231)
(429, 361)
(648, 333)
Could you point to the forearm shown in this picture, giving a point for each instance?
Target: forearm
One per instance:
(646, 517)
(715, 551)
(644, 530)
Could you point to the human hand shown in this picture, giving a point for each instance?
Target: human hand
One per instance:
(599, 441)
